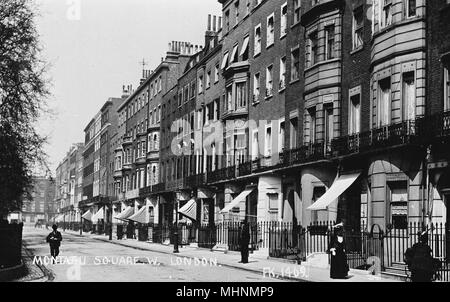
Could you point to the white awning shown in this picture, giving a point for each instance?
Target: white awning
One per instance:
(140, 216)
(87, 215)
(224, 61)
(99, 215)
(189, 209)
(244, 46)
(338, 187)
(233, 54)
(126, 213)
(241, 197)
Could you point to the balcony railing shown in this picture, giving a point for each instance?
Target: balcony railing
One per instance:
(262, 164)
(214, 176)
(196, 180)
(438, 125)
(226, 173)
(245, 168)
(405, 132)
(127, 140)
(152, 189)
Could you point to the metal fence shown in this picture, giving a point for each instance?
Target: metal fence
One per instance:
(10, 245)
(397, 241)
(364, 247)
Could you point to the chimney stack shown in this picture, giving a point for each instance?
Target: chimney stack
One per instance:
(209, 22)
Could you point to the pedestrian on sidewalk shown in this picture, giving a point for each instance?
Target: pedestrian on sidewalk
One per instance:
(338, 265)
(54, 239)
(244, 240)
(420, 260)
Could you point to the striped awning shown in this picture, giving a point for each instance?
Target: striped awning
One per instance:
(125, 214)
(189, 209)
(99, 215)
(60, 218)
(87, 215)
(235, 202)
(333, 193)
(141, 216)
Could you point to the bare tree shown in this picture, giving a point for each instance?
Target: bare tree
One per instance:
(23, 94)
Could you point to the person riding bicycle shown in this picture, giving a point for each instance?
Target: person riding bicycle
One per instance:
(420, 260)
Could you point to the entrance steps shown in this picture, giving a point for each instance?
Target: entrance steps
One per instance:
(220, 248)
(397, 271)
(319, 260)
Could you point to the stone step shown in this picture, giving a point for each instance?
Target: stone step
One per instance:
(394, 276)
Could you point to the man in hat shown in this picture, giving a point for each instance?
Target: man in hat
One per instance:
(54, 239)
(420, 260)
(338, 265)
(244, 240)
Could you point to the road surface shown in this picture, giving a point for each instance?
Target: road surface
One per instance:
(85, 259)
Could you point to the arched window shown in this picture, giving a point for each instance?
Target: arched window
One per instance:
(155, 142)
(154, 175)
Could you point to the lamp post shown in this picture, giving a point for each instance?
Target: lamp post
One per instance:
(81, 220)
(175, 233)
(111, 220)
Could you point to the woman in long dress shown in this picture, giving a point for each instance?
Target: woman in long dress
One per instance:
(338, 267)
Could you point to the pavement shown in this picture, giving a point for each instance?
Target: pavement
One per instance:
(87, 259)
(269, 269)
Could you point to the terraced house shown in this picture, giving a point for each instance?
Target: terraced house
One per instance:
(293, 116)
(137, 168)
(69, 186)
(98, 169)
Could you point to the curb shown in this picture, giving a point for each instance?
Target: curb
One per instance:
(12, 273)
(191, 257)
(48, 274)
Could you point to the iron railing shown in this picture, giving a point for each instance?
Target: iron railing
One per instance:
(406, 132)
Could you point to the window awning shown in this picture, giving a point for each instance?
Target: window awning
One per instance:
(140, 216)
(87, 215)
(233, 54)
(241, 197)
(336, 189)
(189, 209)
(244, 46)
(126, 213)
(224, 61)
(99, 215)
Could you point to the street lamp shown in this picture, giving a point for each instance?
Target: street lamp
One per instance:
(81, 220)
(111, 220)
(175, 233)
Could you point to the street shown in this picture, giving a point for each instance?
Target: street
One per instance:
(85, 259)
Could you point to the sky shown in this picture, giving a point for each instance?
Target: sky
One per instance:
(93, 47)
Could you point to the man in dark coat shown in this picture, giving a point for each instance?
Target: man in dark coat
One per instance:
(54, 239)
(420, 260)
(338, 265)
(244, 240)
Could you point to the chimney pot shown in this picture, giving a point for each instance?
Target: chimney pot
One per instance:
(220, 23)
(214, 23)
(209, 22)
